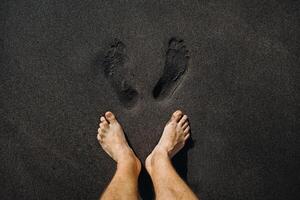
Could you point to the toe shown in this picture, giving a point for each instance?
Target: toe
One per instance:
(183, 120)
(187, 137)
(185, 125)
(100, 138)
(177, 115)
(103, 125)
(110, 117)
(102, 119)
(101, 131)
(187, 130)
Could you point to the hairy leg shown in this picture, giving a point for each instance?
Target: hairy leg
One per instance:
(112, 139)
(167, 183)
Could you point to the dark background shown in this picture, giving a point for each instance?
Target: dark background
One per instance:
(240, 93)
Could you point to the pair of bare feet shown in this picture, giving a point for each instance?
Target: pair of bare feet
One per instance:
(112, 139)
(166, 182)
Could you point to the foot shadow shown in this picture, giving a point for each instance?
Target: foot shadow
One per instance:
(146, 189)
(179, 161)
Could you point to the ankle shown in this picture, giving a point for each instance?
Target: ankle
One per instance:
(156, 159)
(160, 152)
(130, 161)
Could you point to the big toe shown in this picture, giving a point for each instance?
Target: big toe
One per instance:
(110, 117)
(176, 116)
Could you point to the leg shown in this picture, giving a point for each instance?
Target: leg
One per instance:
(112, 139)
(167, 183)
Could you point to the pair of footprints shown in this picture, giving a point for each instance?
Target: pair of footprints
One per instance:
(175, 67)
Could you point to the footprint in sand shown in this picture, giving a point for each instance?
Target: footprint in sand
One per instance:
(116, 72)
(174, 69)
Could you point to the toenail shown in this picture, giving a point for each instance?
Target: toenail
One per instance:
(108, 114)
(178, 112)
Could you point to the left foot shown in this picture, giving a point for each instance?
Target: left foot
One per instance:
(112, 139)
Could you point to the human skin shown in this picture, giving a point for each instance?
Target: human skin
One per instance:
(167, 183)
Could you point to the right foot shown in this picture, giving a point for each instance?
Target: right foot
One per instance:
(173, 139)
(115, 71)
(112, 139)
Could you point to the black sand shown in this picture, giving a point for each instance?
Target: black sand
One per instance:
(240, 92)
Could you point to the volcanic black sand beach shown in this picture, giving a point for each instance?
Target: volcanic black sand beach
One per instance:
(231, 66)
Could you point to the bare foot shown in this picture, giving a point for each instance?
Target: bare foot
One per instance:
(112, 139)
(173, 139)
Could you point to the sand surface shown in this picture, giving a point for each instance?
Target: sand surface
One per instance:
(238, 87)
